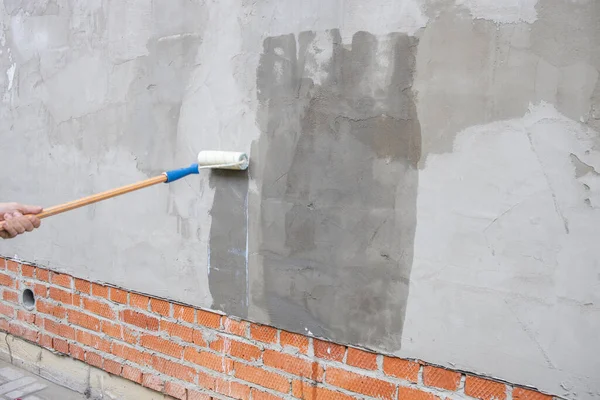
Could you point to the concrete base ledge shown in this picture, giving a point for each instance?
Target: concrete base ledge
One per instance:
(70, 373)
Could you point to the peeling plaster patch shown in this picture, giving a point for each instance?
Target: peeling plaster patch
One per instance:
(10, 73)
(349, 16)
(503, 11)
(405, 16)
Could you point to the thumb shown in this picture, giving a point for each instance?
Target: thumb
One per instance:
(29, 209)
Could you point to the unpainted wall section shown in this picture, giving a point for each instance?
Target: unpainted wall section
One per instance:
(424, 175)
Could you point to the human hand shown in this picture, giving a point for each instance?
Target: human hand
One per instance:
(14, 222)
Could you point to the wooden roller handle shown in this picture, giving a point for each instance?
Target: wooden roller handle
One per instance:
(98, 197)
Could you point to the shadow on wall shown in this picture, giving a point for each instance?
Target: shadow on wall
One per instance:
(337, 178)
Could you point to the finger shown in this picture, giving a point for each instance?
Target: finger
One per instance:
(10, 229)
(16, 214)
(26, 223)
(26, 209)
(17, 225)
(35, 221)
(8, 216)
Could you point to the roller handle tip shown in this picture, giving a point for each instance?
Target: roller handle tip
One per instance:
(176, 174)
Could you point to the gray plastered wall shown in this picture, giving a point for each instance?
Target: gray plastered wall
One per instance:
(424, 175)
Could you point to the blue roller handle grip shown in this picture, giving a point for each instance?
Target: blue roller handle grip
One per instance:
(175, 174)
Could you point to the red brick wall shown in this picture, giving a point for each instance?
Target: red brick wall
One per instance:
(193, 354)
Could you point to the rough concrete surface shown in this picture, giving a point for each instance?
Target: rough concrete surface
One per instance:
(424, 174)
(19, 384)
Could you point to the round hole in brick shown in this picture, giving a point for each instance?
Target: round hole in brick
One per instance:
(28, 299)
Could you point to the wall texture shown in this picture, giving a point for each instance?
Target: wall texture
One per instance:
(424, 175)
(192, 354)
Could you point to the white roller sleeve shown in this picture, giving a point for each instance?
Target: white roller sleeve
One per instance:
(222, 160)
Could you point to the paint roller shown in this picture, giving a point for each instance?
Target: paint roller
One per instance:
(206, 160)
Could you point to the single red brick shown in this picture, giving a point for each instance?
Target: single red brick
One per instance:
(198, 338)
(27, 270)
(409, 393)
(99, 308)
(66, 332)
(42, 274)
(117, 349)
(45, 307)
(235, 327)
(206, 381)
(138, 357)
(40, 290)
(403, 369)
(242, 350)
(84, 320)
(129, 335)
(209, 360)
(12, 266)
(309, 391)
(194, 395)
(328, 350)
(139, 301)
(60, 345)
(29, 334)
(93, 359)
(62, 280)
(51, 326)
(484, 389)
(118, 295)
(139, 320)
(6, 280)
(162, 346)
(441, 378)
(4, 325)
(60, 295)
(180, 331)
(261, 377)
(93, 341)
(258, 395)
(174, 370)
(208, 319)
(175, 390)
(360, 384)
(361, 359)
(83, 286)
(113, 330)
(153, 382)
(112, 367)
(11, 296)
(160, 307)
(132, 373)
(217, 343)
(7, 310)
(100, 290)
(526, 394)
(15, 329)
(294, 340)
(232, 389)
(184, 313)
(45, 341)
(76, 352)
(263, 333)
(293, 365)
